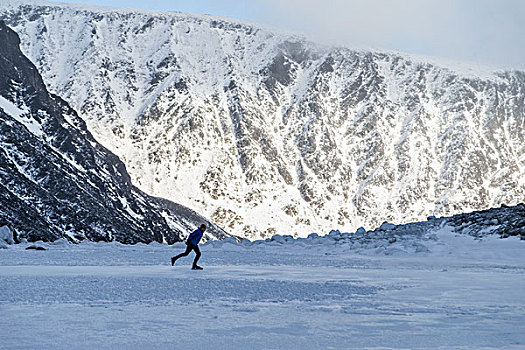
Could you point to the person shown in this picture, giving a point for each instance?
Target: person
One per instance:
(192, 244)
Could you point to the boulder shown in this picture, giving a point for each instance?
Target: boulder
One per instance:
(361, 231)
(6, 235)
(35, 247)
(334, 233)
(385, 226)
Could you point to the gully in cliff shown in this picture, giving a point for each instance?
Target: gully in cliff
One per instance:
(192, 244)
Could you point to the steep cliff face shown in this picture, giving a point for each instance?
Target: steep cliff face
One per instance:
(267, 133)
(56, 180)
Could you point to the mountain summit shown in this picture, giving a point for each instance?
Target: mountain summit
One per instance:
(268, 133)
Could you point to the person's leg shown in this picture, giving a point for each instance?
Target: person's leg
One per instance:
(188, 250)
(197, 255)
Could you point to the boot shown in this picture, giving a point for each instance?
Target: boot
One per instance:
(196, 267)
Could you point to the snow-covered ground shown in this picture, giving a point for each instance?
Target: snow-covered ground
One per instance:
(436, 291)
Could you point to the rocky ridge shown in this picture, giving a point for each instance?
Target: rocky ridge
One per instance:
(389, 239)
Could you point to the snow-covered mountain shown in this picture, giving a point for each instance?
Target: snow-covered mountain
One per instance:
(57, 181)
(268, 133)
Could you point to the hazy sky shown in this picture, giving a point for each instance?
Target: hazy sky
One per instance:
(489, 31)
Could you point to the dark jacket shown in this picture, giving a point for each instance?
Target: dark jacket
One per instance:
(195, 237)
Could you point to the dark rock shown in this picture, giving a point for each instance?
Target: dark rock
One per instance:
(35, 247)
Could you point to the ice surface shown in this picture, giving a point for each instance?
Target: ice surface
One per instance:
(337, 291)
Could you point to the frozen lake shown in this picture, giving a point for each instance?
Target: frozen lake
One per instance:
(457, 293)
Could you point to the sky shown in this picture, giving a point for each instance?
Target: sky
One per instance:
(481, 31)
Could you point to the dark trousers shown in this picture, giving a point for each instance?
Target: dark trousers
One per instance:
(189, 248)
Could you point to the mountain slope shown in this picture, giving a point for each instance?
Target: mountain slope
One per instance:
(265, 132)
(56, 180)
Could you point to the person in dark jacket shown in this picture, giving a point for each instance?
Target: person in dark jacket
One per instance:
(192, 244)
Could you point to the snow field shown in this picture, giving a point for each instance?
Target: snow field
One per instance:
(316, 293)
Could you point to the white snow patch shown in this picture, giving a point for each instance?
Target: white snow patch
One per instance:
(21, 115)
(128, 209)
